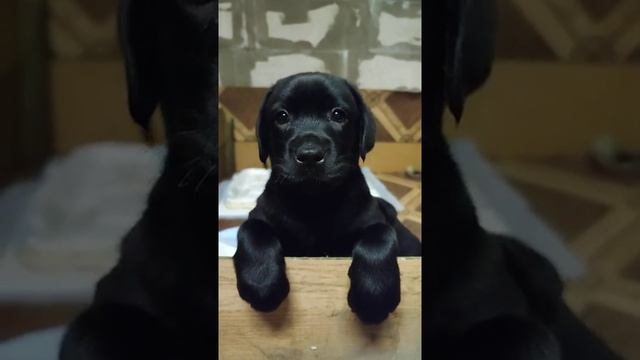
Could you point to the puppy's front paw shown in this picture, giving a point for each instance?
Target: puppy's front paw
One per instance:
(263, 285)
(375, 290)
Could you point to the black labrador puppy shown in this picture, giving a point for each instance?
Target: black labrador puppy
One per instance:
(486, 296)
(315, 127)
(158, 302)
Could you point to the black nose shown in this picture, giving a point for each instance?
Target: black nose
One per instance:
(310, 155)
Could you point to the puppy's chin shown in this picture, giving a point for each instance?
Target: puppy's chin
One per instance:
(312, 176)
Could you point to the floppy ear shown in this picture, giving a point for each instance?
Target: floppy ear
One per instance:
(137, 19)
(470, 41)
(367, 124)
(261, 130)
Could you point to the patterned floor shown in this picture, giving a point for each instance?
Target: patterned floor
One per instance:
(409, 192)
(599, 215)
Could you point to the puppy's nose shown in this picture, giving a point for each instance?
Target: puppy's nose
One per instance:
(310, 155)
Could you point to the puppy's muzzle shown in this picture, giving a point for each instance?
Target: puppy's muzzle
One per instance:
(310, 155)
(310, 149)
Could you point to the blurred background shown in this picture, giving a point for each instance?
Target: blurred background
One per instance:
(556, 126)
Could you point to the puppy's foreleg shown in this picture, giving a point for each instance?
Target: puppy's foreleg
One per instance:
(260, 267)
(508, 337)
(374, 274)
(116, 331)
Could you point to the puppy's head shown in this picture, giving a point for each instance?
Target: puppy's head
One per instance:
(314, 127)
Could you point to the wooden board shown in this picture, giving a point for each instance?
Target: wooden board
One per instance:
(315, 321)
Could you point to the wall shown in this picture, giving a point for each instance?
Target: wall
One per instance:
(375, 44)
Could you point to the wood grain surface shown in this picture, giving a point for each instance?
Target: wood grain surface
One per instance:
(315, 321)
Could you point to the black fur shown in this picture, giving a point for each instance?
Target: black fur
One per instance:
(485, 296)
(314, 127)
(159, 301)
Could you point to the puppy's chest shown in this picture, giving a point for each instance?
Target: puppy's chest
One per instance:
(319, 236)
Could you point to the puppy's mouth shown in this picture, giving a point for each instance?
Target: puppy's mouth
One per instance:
(324, 171)
(315, 171)
(318, 162)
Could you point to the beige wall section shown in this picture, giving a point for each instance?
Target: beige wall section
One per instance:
(529, 109)
(535, 109)
(89, 104)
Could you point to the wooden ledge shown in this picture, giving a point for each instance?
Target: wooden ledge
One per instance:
(315, 321)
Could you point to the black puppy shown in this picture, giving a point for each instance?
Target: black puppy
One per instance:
(487, 296)
(314, 127)
(158, 302)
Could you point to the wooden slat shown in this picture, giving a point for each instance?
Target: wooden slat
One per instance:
(315, 321)
(577, 185)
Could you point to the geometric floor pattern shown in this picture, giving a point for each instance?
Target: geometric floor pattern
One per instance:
(599, 216)
(409, 192)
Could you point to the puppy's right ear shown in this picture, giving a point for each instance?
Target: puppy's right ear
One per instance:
(470, 41)
(367, 123)
(261, 130)
(136, 26)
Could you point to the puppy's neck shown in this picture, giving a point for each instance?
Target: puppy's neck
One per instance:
(304, 195)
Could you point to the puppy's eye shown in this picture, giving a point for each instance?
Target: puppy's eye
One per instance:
(338, 115)
(282, 117)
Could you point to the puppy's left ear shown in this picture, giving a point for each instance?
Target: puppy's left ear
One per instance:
(470, 42)
(261, 130)
(366, 123)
